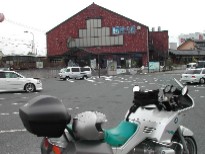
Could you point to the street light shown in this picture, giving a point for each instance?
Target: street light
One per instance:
(33, 43)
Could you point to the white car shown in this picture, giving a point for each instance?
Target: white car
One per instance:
(75, 73)
(194, 76)
(13, 81)
(191, 66)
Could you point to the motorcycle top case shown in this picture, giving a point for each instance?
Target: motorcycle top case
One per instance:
(45, 115)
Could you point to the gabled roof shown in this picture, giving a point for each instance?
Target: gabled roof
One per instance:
(187, 52)
(93, 5)
(186, 42)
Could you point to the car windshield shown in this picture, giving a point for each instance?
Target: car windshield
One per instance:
(192, 72)
(62, 70)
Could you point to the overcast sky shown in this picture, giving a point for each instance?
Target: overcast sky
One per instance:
(39, 16)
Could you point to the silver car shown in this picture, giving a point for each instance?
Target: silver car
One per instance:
(13, 81)
(194, 76)
(75, 73)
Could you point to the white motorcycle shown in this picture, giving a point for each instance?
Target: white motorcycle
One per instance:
(151, 125)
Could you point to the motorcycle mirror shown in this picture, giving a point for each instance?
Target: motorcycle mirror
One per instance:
(184, 90)
(136, 88)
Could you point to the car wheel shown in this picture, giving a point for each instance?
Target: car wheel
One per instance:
(67, 78)
(84, 77)
(30, 87)
(202, 81)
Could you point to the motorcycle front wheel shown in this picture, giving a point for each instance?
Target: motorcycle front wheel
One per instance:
(191, 145)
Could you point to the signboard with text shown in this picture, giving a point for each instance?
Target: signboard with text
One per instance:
(153, 65)
(117, 30)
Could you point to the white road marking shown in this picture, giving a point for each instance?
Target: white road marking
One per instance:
(70, 109)
(108, 79)
(2, 98)
(4, 114)
(70, 81)
(100, 82)
(202, 87)
(90, 80)
(17, 93)
(16, 103)
(15, 113)
(12, 131)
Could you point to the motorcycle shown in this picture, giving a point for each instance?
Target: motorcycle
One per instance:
(152, 125)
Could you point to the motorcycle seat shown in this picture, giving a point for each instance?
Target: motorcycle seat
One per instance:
(118, 135)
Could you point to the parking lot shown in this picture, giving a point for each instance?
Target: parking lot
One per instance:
(111, 95)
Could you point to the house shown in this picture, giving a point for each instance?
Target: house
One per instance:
(189, 51)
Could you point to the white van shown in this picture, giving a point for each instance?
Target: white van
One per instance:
(75, 73)
(191, 66)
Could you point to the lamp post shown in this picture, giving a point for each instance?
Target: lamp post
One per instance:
(33, 43)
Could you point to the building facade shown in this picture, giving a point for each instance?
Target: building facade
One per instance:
(97, 36)
(189, 51)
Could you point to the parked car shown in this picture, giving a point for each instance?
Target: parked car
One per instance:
(194, 76)
(4, 68)
(75, 73)
(200, 64)
(13, 81)
(191, 66)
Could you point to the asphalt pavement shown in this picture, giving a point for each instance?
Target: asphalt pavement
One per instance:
(53, 73)
(110, 95)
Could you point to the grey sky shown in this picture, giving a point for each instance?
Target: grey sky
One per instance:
(39, 16)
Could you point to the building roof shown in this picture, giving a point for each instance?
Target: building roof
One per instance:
(188, 52)
(95, 5)
(185, 43)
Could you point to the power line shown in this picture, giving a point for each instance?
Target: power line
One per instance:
(25, 26)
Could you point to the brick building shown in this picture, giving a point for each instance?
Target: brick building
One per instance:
(98, 35)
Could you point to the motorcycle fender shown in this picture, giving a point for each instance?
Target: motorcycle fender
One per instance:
(186, 131)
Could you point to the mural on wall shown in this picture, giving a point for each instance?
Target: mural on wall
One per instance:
(96, 35)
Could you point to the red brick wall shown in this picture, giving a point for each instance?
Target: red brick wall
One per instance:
(160, 40)
(57, 37)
